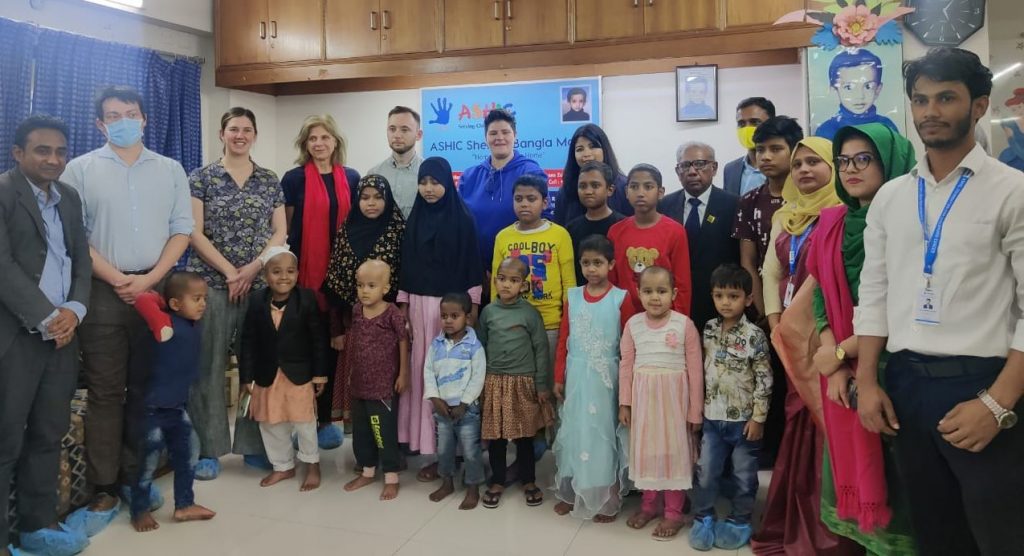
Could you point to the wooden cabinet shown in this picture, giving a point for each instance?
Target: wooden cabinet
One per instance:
(608, 19)
(470, 24)
(261, 31)
(360, 28)
(671, 16)
(741, 13)
(408, 26)
(296, 30)
(616, 19)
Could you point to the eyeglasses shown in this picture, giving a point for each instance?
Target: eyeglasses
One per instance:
(700, 165)
(860, 161)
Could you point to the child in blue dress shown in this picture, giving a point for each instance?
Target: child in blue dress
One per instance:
(590, 450)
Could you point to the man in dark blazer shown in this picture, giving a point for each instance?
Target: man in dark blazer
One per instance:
(45, 273)
(741, 175)
(707, 213)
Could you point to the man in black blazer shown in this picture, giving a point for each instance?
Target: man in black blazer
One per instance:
(741, 175)
(45, 273)
(707, 213)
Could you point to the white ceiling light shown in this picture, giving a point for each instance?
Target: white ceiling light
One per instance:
(1005, 71)
(118, 4)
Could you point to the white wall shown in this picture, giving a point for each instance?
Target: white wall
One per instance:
(638, 115)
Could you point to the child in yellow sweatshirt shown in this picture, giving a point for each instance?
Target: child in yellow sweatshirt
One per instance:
(545, 247)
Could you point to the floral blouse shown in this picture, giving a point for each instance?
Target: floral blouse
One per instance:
(340, 283)
(236, 220)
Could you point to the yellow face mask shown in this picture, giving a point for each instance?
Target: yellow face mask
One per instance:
(746, 136)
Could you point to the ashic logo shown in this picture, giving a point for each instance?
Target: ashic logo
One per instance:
(443, 111)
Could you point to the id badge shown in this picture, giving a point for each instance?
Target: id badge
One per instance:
(928, 308)
(788, 299)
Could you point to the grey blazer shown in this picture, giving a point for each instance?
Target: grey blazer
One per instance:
(23, 254)
(732, 175)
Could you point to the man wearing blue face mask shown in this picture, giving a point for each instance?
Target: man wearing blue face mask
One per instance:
(138, 216)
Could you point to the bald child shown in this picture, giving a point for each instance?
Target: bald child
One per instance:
(377, 348)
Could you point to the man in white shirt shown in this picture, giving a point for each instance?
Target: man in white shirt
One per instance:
(948, 309)
(403, 166)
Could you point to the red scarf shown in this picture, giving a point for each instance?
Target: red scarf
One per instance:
(316, 226)
(858, 469)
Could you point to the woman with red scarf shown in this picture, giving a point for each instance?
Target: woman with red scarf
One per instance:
(317, 199)
(860, 500)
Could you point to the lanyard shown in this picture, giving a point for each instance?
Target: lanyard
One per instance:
(795, 243)
(932, 240)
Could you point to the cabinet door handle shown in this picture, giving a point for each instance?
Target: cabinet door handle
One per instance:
(273, 29)
(263, 29)
(636, 3)
(650, 2)
(373, 21)
(387, 19)
(508, 8)
(497, 16)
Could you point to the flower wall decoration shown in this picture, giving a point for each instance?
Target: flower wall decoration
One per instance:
(852, 23)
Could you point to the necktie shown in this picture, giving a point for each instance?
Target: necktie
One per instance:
(693, 219)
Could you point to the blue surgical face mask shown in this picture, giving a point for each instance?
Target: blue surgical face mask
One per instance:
(125, 132)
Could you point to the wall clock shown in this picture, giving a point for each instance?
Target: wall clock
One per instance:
(945, 22)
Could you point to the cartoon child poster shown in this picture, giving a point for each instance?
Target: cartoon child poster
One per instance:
(855, 85)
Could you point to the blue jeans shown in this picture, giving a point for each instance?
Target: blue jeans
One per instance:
(465, 431)
(723, 439)
(170, 428)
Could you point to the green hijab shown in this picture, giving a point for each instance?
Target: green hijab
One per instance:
(896, 155)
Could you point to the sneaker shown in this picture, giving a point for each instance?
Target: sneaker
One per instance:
(702, 534)
(89, 523)
(730, 535)
(49, 542)
(207, 469)
(258, 461)
(156, 498)
(329, 437)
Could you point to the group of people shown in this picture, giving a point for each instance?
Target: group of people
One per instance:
(626, 329)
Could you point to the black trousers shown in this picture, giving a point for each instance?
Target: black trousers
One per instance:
(525, 462)
(36, 386)
(961, 503)
(375, 433)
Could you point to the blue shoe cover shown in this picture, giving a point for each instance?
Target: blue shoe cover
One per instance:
(329, 437)
(207, 469)
(258, 461)
(14, 551)
(702, 534)
(730, 535)
(88, 522)
(47, 542)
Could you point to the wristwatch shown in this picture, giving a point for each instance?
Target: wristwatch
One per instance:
(1005, 418)
(840, 353)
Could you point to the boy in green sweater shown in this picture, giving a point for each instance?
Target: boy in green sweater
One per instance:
(518, 380)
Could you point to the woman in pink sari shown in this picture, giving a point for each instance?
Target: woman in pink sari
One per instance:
(858, 498)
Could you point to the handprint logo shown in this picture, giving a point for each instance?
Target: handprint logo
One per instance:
(442, 111)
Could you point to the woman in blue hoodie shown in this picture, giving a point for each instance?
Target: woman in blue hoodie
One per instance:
(487, 187)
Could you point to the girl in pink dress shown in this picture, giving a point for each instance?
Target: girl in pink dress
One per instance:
(661, 387)
(439, 255)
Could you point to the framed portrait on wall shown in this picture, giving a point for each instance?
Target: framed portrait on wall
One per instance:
(697, 93)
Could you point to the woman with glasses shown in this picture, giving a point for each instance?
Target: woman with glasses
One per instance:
(857, 463)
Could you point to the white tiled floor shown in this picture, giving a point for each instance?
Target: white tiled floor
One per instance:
(254, 521)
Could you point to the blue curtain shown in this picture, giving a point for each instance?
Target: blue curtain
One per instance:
(16, 43)
(72, 69)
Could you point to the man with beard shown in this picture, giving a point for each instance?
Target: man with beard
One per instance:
(941, 291)
(403, 166)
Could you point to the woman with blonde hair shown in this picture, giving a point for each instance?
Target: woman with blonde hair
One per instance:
(317, 199)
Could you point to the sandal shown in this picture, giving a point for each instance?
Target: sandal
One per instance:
(534, 496)
(491, 499)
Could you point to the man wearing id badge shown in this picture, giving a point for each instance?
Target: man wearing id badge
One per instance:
(942, 291)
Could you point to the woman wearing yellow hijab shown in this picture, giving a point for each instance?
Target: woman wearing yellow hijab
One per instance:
(792, 514)
(810, 188)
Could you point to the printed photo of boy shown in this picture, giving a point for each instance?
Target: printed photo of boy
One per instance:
(577, 101)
